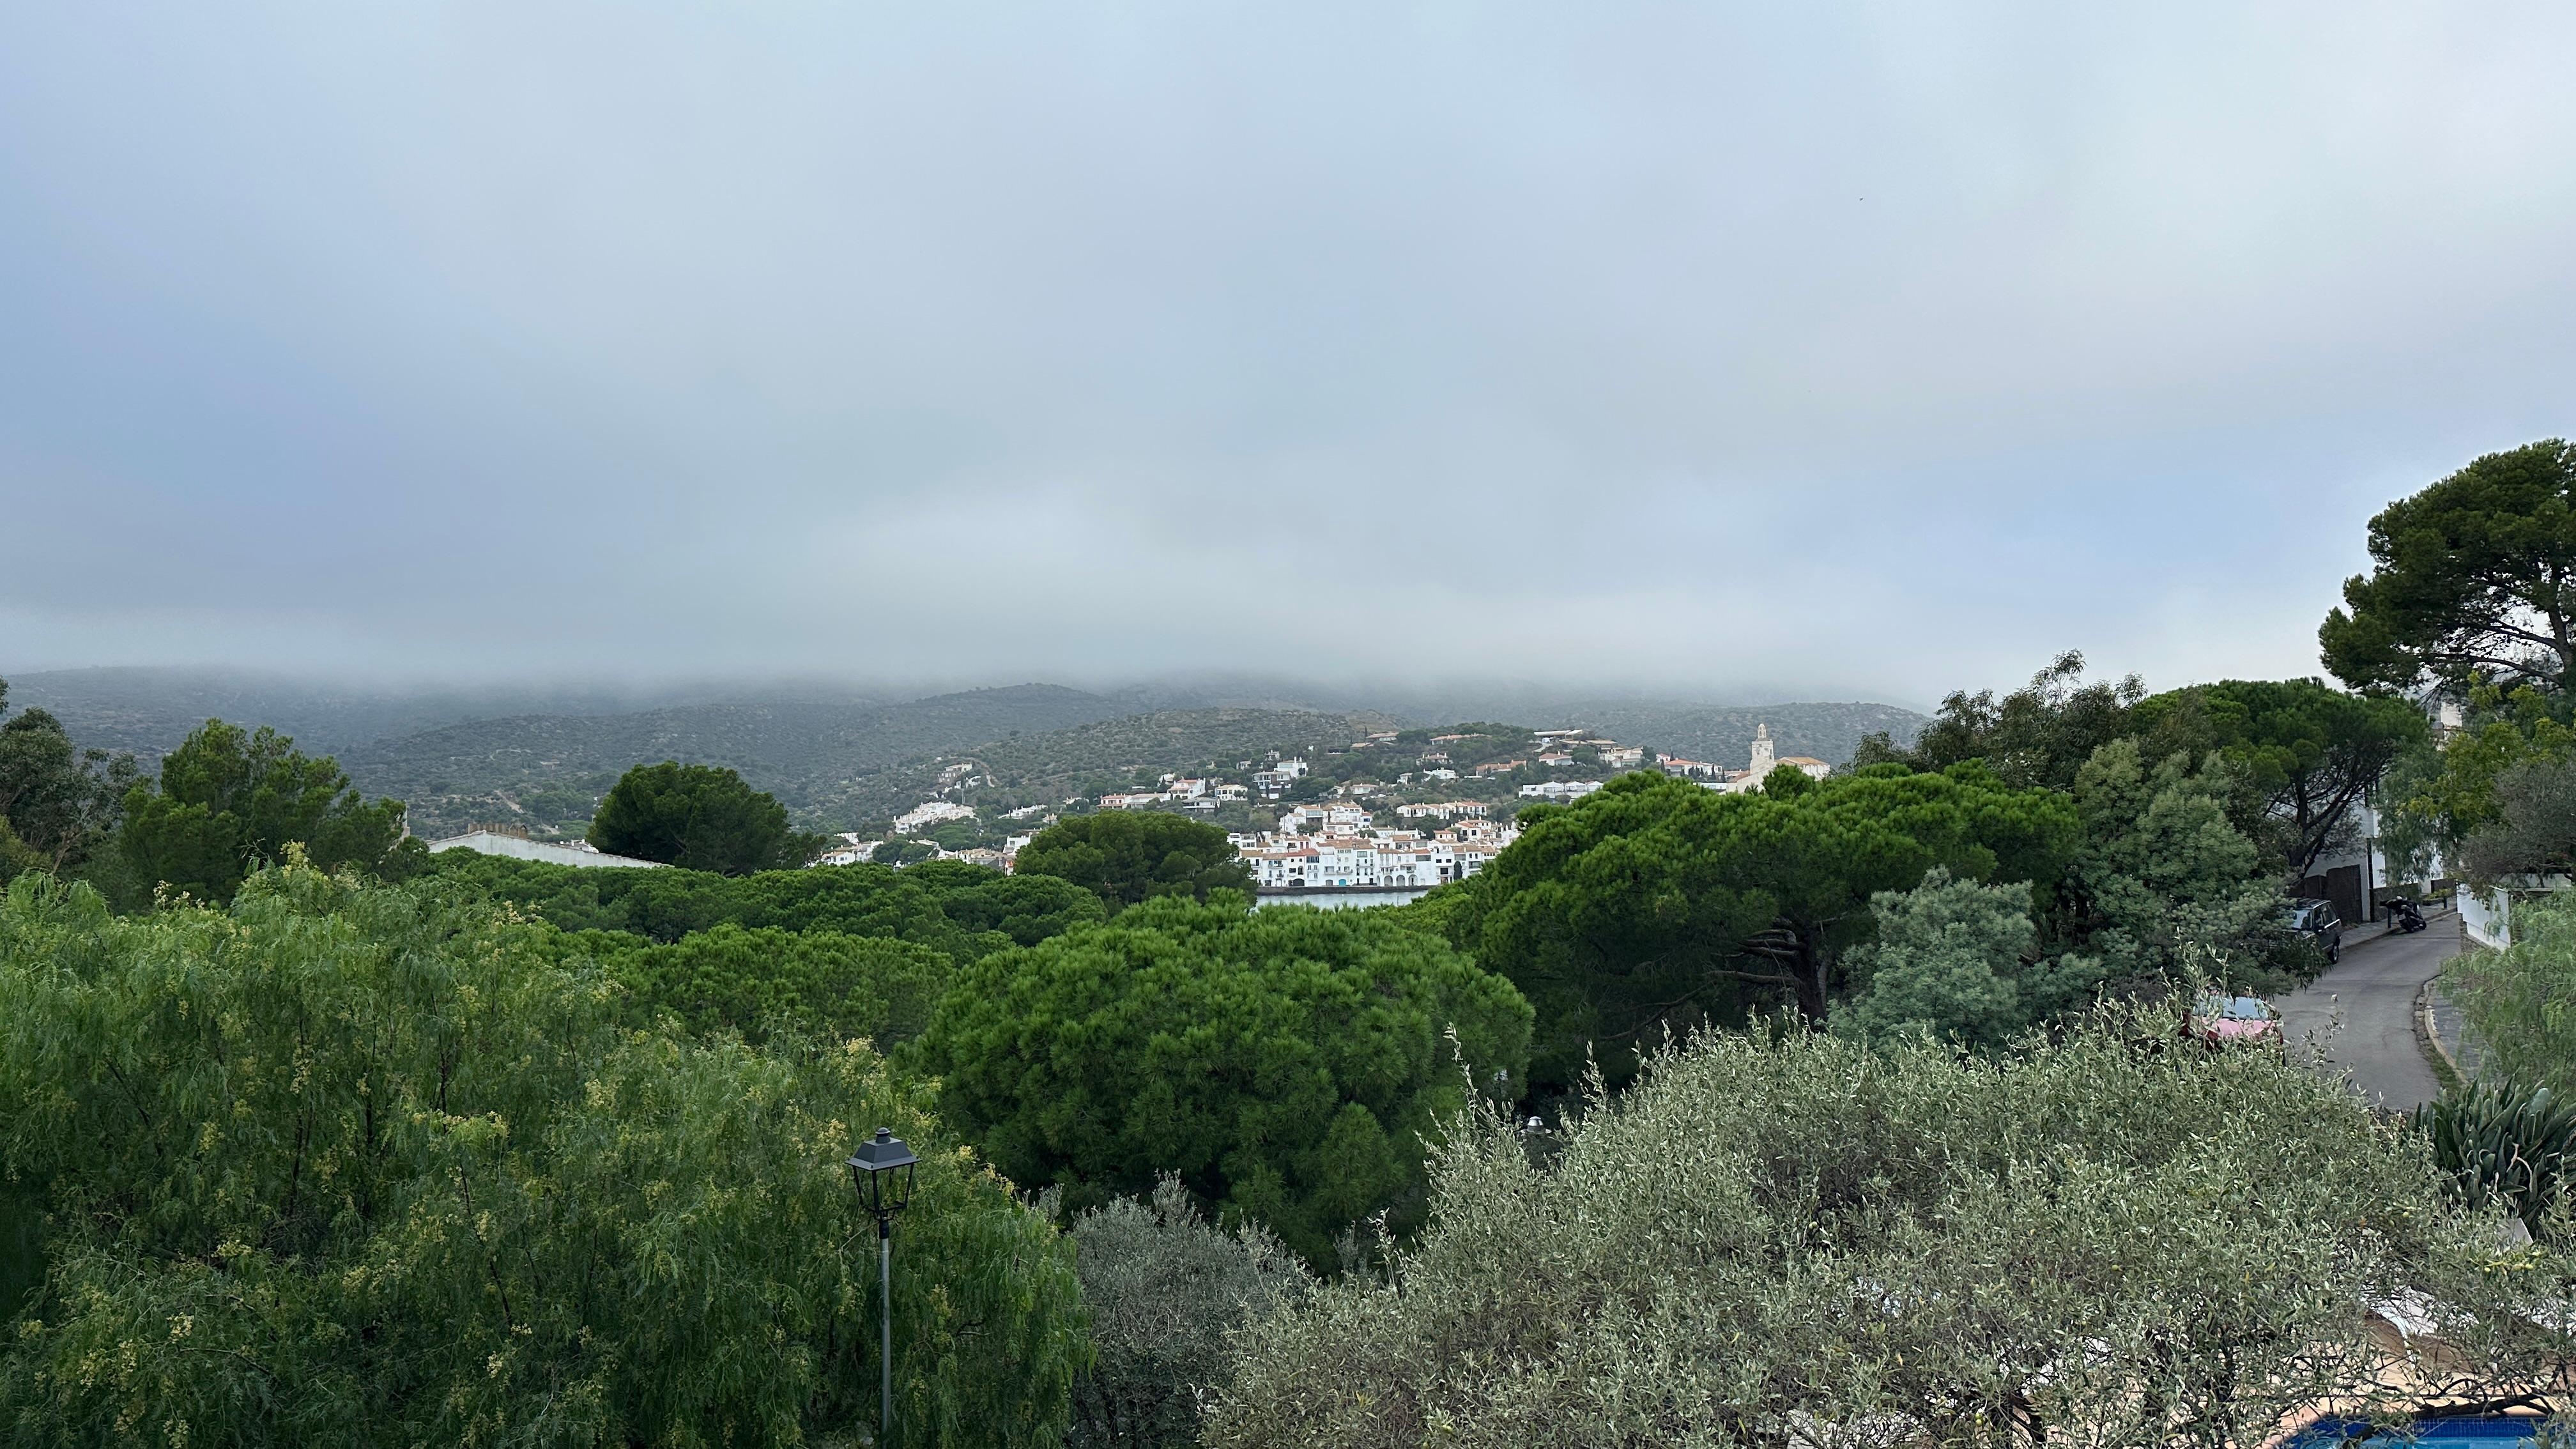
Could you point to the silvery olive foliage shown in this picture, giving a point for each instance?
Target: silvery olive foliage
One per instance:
(2112, 1237)
(1164, 1287)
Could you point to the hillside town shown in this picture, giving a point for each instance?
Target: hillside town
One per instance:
(1394, 815)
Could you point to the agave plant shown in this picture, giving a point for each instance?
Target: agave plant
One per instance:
(2503, 1144)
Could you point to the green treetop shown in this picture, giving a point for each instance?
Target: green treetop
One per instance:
(2304, 755)
(344, 1167)
(1654, 904)
(1284, 1063)
(2039, 734)
(2473, 576)
(228, 799)
(58, 805)
(1128, 856)
(2165, 882)
(701, 817)
(960, 910)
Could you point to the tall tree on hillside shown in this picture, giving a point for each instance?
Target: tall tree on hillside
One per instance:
(700, 817)
(2474, 576)
(1127, 857)
(2304, 754)
(229, 799)
(58, 804)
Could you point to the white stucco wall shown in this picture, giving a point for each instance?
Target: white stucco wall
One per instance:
(485, 842)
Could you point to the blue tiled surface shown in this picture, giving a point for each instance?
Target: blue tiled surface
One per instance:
(2495, 1433)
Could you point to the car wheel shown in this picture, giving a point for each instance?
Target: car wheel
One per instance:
(2334, 950)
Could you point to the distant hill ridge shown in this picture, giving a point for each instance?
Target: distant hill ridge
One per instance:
(812, 754)
(543, 757)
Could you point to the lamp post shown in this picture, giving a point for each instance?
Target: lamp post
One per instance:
(881, 1174)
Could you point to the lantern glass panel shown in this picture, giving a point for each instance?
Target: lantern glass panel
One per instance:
(881, 1173)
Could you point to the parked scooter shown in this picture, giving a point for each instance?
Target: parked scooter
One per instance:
(2404, 916)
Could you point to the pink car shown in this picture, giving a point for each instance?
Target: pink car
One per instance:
(2221, 1020)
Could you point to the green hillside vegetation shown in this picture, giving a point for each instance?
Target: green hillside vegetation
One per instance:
(544, 758)
(1131, 753)
(759, 982)
(814, 754)
(964, 912)
(148, 709)
(1128, 753)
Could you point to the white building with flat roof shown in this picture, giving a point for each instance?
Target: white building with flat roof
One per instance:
(931, 812)
(1444, 809)
(519, 847)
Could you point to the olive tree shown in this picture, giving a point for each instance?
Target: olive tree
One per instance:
(1163, 1287)
(2113, 1237)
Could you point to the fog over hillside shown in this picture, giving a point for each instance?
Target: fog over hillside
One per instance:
(839, 754)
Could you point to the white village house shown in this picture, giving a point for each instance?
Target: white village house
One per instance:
(929, 813)
(519, 847)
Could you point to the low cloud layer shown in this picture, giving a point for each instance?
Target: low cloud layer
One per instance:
(1731, 351)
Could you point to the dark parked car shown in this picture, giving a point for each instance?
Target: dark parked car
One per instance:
(2318, 921)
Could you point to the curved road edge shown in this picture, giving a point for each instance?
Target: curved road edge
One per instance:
(2365, 1015)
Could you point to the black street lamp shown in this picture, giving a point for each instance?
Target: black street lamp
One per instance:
(881, 1174)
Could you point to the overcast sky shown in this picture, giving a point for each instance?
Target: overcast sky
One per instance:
(1737, 351)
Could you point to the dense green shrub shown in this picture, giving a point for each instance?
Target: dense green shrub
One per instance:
(759, 980)
(962, 911)
(2521, 1001)
(1163, 1288)
(1284, 1063)
(1953, 960)
(1805, 1240)
(343, 1166)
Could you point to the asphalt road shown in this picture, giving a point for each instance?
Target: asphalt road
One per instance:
(2361, 1014)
